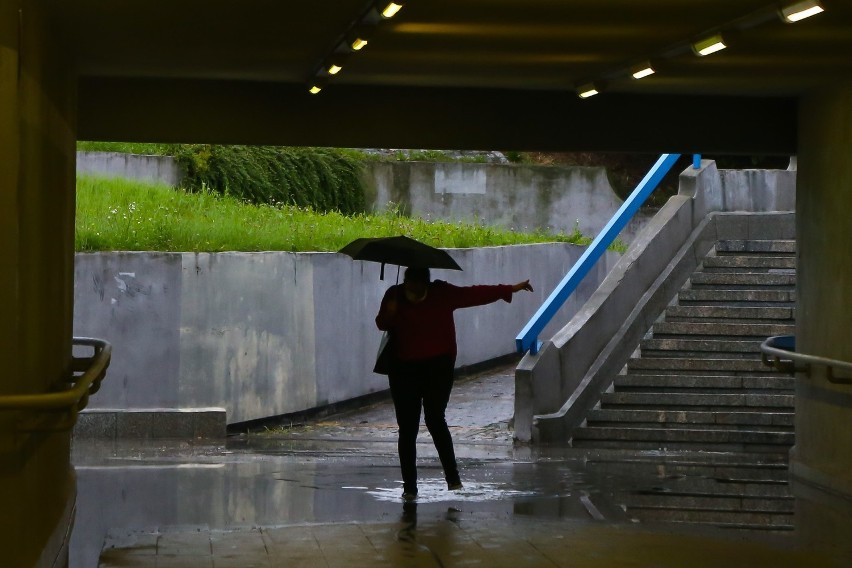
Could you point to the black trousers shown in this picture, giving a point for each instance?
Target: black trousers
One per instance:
(427, 384)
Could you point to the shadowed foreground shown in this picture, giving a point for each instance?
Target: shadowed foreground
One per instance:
(328, 494)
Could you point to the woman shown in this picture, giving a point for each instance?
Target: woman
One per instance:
(418, 316)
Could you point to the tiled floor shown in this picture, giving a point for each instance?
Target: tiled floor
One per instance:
(493, 543)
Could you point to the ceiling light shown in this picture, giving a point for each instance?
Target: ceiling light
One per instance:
(317, 84)
(334, 69)
(709, 45)
(586, 91)
(801, 10)
(390, 9)
(356, 38)
(642, 70)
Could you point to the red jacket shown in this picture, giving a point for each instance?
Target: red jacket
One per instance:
(426, 329)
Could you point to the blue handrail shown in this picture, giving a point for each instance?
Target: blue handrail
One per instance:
(527, 339)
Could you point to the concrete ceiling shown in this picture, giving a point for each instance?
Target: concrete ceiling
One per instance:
(443, 73)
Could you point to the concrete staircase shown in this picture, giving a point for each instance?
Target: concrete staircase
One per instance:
(699, 383)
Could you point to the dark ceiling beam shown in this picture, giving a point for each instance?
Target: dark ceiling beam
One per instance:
(168, 110)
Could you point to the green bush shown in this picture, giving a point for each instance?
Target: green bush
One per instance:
(516, 157)
(323, 179)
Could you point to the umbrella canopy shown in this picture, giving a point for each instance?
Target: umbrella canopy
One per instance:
(400, 250)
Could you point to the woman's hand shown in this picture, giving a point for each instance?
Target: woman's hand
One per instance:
(525, 285)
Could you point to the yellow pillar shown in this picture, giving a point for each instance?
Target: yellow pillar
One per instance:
(821, 462)
(37, 135)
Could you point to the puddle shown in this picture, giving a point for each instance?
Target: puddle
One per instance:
(143, 487)
(434, 490)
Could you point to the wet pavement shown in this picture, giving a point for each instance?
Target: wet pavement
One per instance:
(328, 494)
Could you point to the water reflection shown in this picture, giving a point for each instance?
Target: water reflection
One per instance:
(429, 543)
(220, 488)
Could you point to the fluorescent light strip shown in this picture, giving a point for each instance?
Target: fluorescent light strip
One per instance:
(801, 10)
(315, 89)
(718, 46)
(642, 71)
(390, 10)
(587, 91)
(334, 69)
(358, 43)
(709, 45)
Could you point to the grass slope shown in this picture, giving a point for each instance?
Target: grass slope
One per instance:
(116, 214)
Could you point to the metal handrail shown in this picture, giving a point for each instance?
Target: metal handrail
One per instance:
(782, 350)
(92, 369)
(527, 339)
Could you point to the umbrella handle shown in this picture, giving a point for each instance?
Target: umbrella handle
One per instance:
(382, 275)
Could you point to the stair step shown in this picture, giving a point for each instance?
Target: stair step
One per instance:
(779, 529)
(674, 469)
(759, 246)
(721, 503)
(729, 382)
(672, 354)
(674, 418)
(704, 486)
(707, 296)
(751, 263)
(757, 520)
(730, 330)
(726, 313)
(668, 446)
(743, 280)
(735, 366)
(701, 348)
(662, 400)
(693, 436)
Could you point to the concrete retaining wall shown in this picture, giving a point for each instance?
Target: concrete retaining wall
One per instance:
(758, 190)
(521, 197)
(555, 388)
(265, 334)
(156, 169)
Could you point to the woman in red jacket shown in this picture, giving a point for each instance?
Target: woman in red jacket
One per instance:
(418, 316)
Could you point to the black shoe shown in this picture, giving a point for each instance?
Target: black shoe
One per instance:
(409, 496)
(454, 486)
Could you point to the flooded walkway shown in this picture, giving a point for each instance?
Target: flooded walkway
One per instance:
(328, 494)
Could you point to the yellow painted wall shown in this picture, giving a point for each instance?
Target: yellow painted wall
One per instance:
(37, 135)
(823, 453)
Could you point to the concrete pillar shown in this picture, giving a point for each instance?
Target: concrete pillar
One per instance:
(822, 457)
(37, 136)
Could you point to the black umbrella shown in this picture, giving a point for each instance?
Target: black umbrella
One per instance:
(399, 250)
